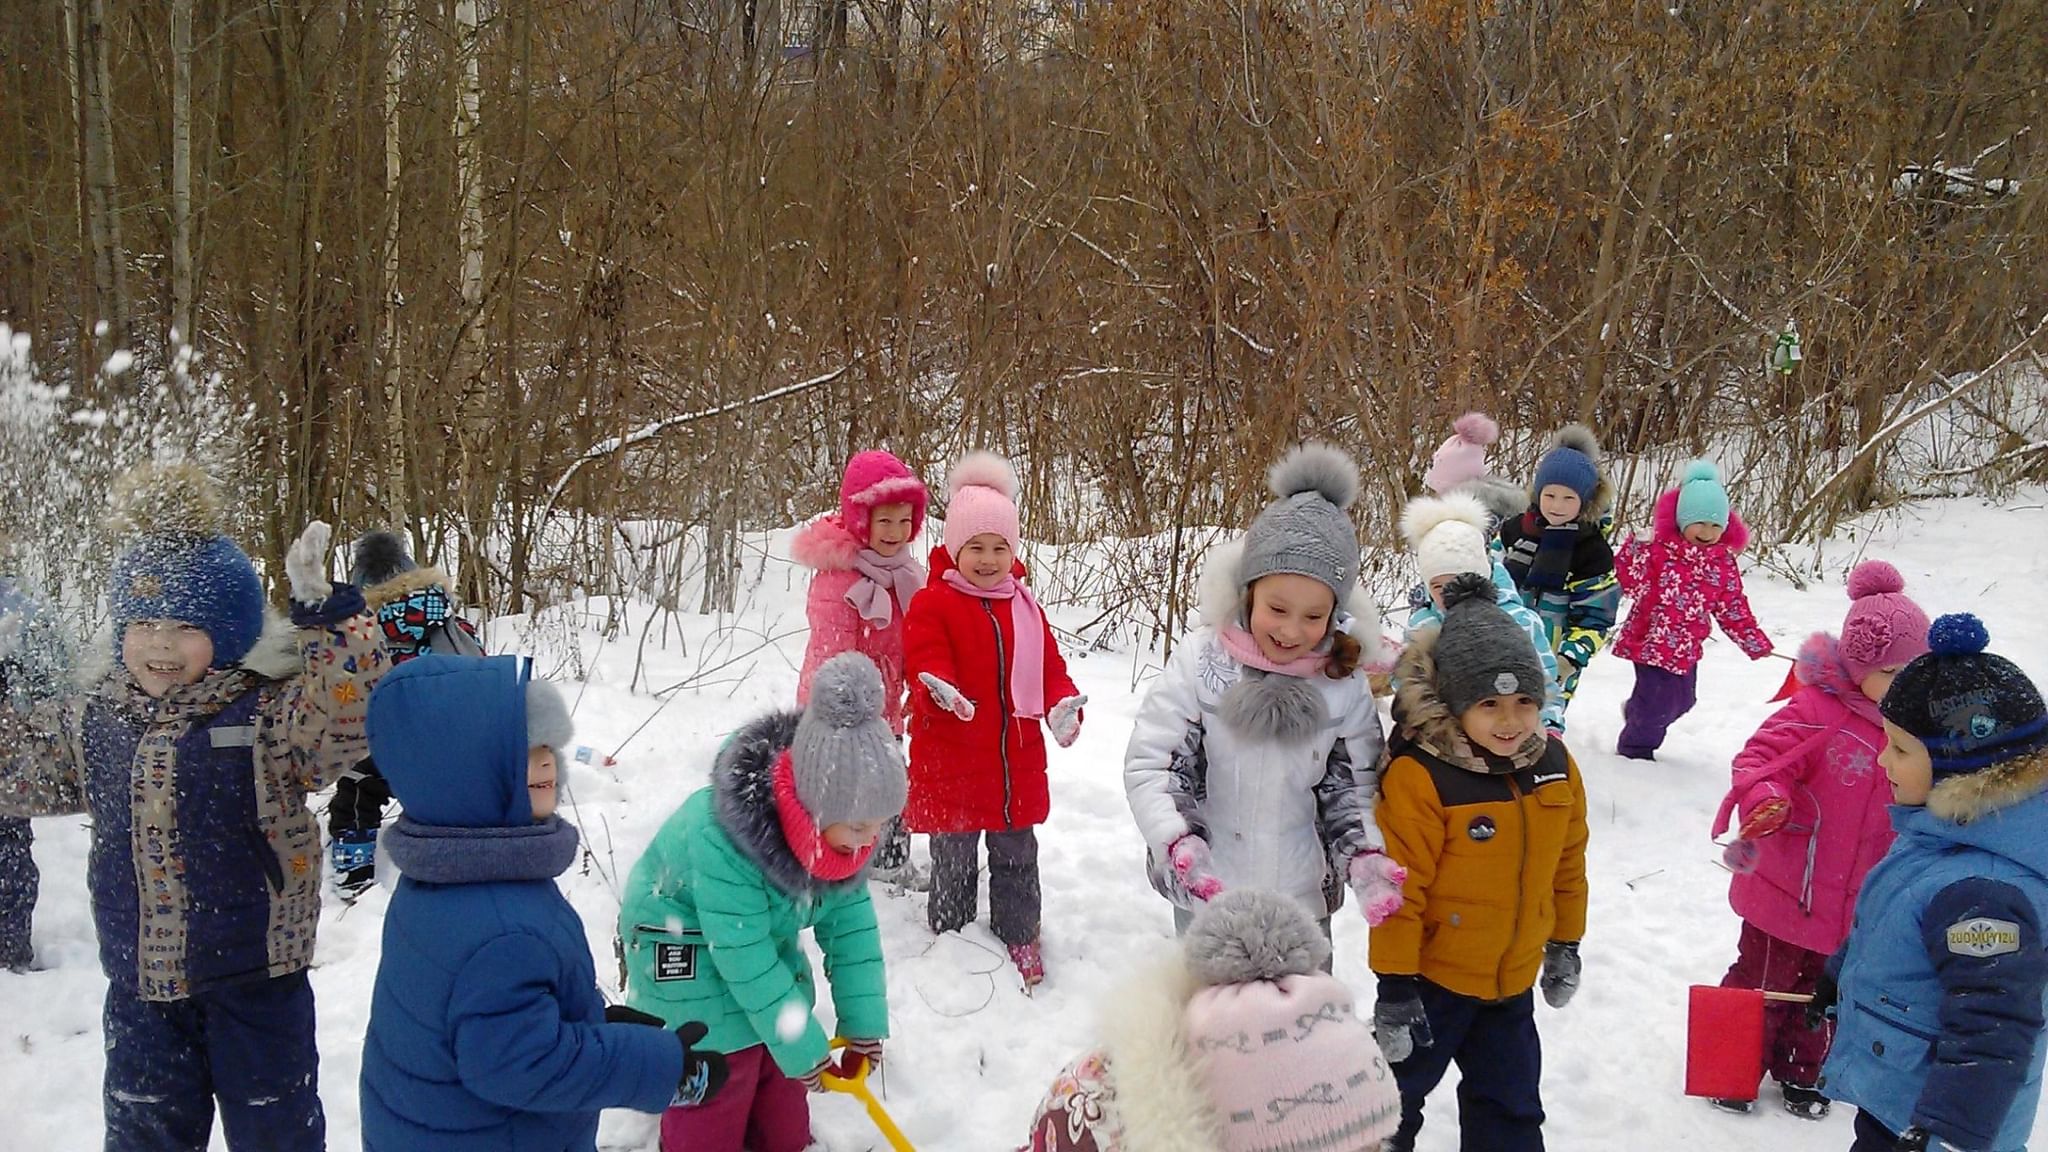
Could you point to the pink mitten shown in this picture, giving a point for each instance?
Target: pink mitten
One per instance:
(1377, 878)
(1192, 868)
(1065, 720)
(1740, 856)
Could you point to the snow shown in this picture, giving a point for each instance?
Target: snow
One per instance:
(971, 1054)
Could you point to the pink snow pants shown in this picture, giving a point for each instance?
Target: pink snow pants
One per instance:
(758, 1110)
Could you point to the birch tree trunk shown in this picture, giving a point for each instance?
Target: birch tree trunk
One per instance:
(392, 490)
(86, 69)
(473, 432)
(181, 173)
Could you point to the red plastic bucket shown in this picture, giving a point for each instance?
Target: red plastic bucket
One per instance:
(1724, 1042)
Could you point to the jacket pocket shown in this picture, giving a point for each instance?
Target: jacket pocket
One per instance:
(1892, 1043)
(668, 965)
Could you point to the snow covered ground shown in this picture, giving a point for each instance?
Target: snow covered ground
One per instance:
(971, 1054)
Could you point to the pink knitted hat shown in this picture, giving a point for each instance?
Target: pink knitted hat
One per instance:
(1462, 458)
(1883, 627)
(875, 478)
(981, 496)
(1279, 1049)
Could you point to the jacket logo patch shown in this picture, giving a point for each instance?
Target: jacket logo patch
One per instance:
(1481, 828)
(233, 736)
(1506, 684)
(1548, 778)
(1983, 937)
(674, 962)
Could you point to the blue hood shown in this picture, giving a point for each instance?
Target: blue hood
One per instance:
(449, 733)
(2002, 810)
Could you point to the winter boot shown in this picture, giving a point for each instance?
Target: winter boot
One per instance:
(1739, 1107)
(355, 860)
(1030, 963)
(1805, 1102)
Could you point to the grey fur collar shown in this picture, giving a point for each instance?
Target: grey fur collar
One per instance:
(743, 798)
(1268, 706)
(1421, 715)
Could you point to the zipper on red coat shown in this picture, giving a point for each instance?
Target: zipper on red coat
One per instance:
(1002, 713)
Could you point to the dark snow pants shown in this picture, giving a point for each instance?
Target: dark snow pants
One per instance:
(18, 883)
(1013, 896)
(1500, 1107)
(248, 1047)
(1793, 1052)
(360, 798)
(1659, 700)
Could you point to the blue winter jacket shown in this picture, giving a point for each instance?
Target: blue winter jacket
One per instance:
(487, 1029)
(1941, 983)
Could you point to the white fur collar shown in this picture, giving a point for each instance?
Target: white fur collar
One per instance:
(1159, 1103)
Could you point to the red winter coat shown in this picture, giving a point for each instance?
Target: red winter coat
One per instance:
(826, 547)
(988, 773)
(1681, 589)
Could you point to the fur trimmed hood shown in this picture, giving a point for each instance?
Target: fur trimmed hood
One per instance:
(1159, 1104)
(1975, 795)
(1218, 605)
(824, 545)
(1736, 537)
(1502, 498)
(1820, 667)
(377, 596)
(743, 798)
(1421, 716)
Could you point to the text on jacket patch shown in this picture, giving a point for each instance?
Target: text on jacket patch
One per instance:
(1983, 937)
(1548, 778)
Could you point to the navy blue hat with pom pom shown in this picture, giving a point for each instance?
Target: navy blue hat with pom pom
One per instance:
(1970, 707)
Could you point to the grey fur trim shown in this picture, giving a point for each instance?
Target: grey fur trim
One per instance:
(1246, 935)
(743, 798)
(1319, 468)
(548, 724)
(1971, 796)
(1578, 438)
(1502, 499)
(1266, 706)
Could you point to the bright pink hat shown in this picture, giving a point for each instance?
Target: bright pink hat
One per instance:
(1883, 627)
(1462, 458)
(981, 496)
(875, 478)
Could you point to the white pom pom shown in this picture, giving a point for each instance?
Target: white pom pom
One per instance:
(983, 470)
(1425, 515)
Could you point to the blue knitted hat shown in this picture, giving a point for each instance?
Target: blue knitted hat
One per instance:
(1970, 707)
(176, 563)
(1701, 498)
(1573, 462)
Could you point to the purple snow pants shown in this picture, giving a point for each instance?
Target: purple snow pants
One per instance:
(1659, 700)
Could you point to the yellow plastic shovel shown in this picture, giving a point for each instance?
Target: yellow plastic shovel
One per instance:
(856, 1086)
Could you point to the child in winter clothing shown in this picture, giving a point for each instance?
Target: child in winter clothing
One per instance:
(1939, 993)
(1239, 1042)
(417, 615)
(1488, 814)
(715, 911)
(866, 575)
(1810, 804)
(1557, 553)
(33, 656)
(1683, 580)
(487, 1029)
(194, 756)
(988, 670)
(1255, 756)
(1459, 468)
(1449, 537)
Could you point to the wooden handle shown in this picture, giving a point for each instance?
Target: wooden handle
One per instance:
(1790, 997)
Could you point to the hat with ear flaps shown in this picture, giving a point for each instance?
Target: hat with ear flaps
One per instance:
(176, 561)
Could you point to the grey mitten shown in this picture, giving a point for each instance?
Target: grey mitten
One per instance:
(1560, 981)
(1398, 1019)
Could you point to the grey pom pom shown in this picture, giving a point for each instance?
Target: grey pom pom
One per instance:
(846, 692)
(1246, 935)
(175, 499)
(547, 717)
(1468, 586)
(1578, 438)
(1319, 468)
(380, 556)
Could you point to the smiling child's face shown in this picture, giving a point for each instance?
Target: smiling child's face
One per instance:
(165, 654)
(1290, 615)
(985, 560)
(542, 773)
(1704, 533)
(1501, 724)
(889, 528)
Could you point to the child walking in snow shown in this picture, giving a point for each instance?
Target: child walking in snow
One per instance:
(987, 671)
(487, 1030)
(1683, 580)
(1809, 804)
(715, 911)
(1938, 994)
(1255, 756)
(1459, 469)
(865, 576)
(417, 615)
(1488, 815)
(1557, 553)
(1239, 1042)
(194, 756)
(1449, 538)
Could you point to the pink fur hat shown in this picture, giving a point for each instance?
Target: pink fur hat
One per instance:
(1462, 458)
(875, 478)
(981, 496)
(1884, 626)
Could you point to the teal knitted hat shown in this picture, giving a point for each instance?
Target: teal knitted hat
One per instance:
(1701, 498)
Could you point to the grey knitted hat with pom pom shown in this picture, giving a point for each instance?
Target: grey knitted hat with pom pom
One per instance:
(1246, 935)
(547, 717)
(847, 764)
(1481, 651)
(1307, 530)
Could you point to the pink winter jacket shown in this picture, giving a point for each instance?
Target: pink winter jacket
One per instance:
(1819, 754)
(1680, 590)
(836, 625)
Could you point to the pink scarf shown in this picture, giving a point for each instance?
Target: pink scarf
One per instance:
(880, 576)
(818, 858)
(1027, 622)
(1244, 649)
